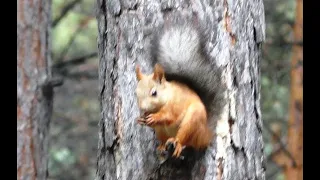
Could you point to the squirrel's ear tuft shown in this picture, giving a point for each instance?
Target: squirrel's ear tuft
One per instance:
(138, 73)
(158, 73)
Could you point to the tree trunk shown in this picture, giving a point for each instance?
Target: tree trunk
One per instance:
(126, 149)
(290, 159)
(34, 89)
(294, 170)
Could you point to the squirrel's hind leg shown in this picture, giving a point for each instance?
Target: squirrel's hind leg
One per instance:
(162, 137)
(187, 130)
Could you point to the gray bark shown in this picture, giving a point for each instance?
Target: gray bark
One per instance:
(34, 89)
(126, 149)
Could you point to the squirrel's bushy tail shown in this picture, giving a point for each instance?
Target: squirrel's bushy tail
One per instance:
(180, 49)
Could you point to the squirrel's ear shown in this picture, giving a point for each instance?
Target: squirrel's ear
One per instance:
(158, 73)
(138, 73)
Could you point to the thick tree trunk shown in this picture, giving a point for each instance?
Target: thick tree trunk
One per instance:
(126, 149)
(34, 90)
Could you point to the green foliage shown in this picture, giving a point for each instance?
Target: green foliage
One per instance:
(280, 177)
(63, 155)
(60, 159)
(268, 149)
(275, 66)
(85, 40)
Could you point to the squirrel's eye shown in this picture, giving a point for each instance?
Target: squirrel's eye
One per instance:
(153, 92)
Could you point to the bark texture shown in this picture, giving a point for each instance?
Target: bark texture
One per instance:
(126, 149)
(34, 90)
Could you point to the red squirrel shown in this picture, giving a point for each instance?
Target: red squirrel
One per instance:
(176, 97)
(177, 113)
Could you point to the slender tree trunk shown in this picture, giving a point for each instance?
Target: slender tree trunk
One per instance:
(34, 91)
(126, 149)
(290, 159)
(293, 171)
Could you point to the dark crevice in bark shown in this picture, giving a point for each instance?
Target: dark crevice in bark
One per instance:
(103, 6)
(48, 54)
(103, 150)
(101, 53)
(166, 10)
(255, 100)
(255, 90)
(102, 89)
(234, 147)
(235, 81)
(257, 43)
(245, 158)
(33, 121)
(101, 170)
(220, 169)
(119, 14)
(231, 122)
(254, 34)
(113, 75)
(134, 6)
(111, 149)
(173, 168)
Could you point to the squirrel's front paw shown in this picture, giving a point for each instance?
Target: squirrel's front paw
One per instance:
(151, 120)
(141, 121)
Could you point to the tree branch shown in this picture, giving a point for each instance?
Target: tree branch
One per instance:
(269, 158)
(282, 146)
(74, 61)
(71, 40)
(82, 24)
(64, 11)
(83, 74)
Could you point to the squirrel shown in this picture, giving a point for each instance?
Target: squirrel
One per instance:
(178, 96)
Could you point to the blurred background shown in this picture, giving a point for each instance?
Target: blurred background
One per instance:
(77, 109)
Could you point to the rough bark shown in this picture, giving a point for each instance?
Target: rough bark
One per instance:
(126, 149)
(34, 89)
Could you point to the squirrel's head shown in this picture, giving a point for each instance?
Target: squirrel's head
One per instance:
(150, 90)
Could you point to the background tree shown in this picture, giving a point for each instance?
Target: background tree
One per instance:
(127, 150)
(34, 88)
(295, 124)
(291, 160)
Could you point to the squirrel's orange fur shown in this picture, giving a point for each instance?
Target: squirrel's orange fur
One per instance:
(176, 112)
